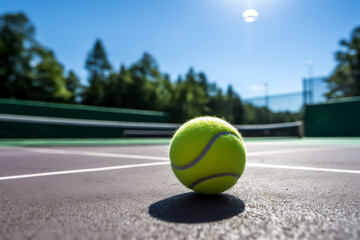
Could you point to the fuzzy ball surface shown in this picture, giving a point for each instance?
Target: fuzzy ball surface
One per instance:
(207, 155)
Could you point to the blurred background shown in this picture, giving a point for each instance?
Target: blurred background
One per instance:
(84, 69)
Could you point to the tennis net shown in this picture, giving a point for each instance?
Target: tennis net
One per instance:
(15, 126)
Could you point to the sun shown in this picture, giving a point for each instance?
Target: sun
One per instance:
(250, 15)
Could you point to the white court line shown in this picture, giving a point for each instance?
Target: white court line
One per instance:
(261, 165)
(82, 170)
(94, 154)
(141, 157)
(294, 150)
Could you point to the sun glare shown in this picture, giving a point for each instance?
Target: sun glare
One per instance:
(250, 15)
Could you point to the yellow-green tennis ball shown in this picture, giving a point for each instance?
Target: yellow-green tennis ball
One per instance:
(207, 155)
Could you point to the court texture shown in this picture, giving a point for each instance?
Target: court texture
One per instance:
(292, 188)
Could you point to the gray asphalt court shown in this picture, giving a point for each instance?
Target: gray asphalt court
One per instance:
(288, 191)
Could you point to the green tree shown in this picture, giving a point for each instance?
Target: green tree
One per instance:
(49, 83)
(196, 98)
(189, 97)
(238, 110)
(255, 115)
(99, 69)
(95, 92)
(234, 108)
(217, 104)
(97, 62)
(27, 69)
(116, 89)
(145, 74)
(16, 41)
(164, 92)
(73, 85)
(345, 80)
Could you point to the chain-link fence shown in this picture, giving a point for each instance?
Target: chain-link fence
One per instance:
(291, 102)
(273, 108)
(286, 107)
(315, 90)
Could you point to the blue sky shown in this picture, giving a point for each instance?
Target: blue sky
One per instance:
(209, 35)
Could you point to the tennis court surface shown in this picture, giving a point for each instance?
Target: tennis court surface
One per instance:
(291, 189)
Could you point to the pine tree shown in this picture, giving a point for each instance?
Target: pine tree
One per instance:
(99, 69)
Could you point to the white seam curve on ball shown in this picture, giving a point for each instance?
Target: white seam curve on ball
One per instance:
(194, 184)
(202, 154)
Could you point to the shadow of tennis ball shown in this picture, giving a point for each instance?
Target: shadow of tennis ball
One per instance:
(196, 208)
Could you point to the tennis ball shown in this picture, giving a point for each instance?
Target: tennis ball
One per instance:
(207, 155)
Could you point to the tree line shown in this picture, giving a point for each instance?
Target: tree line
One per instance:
(28, 70)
